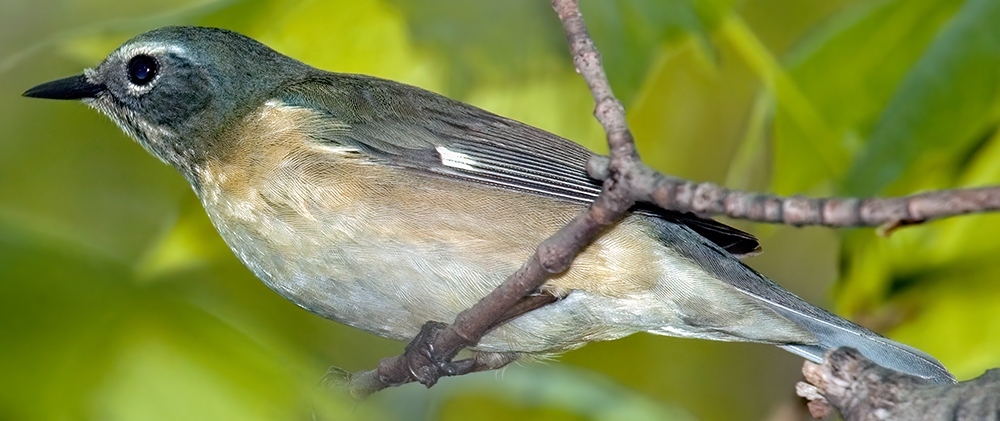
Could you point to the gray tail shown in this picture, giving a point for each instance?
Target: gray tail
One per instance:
(882, 351)
(829, 330)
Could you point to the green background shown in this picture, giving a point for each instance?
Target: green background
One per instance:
(118, 301)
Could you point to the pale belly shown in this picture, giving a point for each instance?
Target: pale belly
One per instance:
(390, 285)
(350, 254)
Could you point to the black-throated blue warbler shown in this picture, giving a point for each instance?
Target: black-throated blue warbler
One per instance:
(384, 206)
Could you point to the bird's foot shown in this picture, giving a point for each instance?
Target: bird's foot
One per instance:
(424, 363)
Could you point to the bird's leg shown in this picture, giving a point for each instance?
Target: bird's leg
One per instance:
(426, 365)
(486, 361)
(422, 362)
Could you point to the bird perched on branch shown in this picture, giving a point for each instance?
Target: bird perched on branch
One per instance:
(383, 206)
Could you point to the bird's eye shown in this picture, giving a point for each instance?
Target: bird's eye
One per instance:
(142, 69)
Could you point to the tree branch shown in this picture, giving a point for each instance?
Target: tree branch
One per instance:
(864, 391)
(709, 199)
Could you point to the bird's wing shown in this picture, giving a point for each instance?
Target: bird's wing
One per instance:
(420, 130)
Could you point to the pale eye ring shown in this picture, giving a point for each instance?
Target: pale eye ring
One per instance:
(142, 69)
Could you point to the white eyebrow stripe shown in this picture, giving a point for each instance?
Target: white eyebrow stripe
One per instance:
(450, 158)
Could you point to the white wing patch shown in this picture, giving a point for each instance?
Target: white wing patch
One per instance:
(450, 158)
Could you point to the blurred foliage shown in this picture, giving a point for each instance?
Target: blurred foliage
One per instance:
(119, 301)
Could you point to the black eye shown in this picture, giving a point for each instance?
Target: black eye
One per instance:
(142, 69)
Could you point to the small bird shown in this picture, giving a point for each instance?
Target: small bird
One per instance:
(383, 206)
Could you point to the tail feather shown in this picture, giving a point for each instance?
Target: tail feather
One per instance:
(829, 330)
(882, 351)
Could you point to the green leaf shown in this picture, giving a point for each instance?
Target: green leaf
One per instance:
(796, 117)
(688, 117)
(947, 100)
(846, 70)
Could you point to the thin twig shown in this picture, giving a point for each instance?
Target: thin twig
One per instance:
(709, 199)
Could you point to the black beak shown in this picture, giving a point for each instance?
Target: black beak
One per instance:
(76, 87)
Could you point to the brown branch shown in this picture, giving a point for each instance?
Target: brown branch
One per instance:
(864, 391)
(709, 199)
(429, 356)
